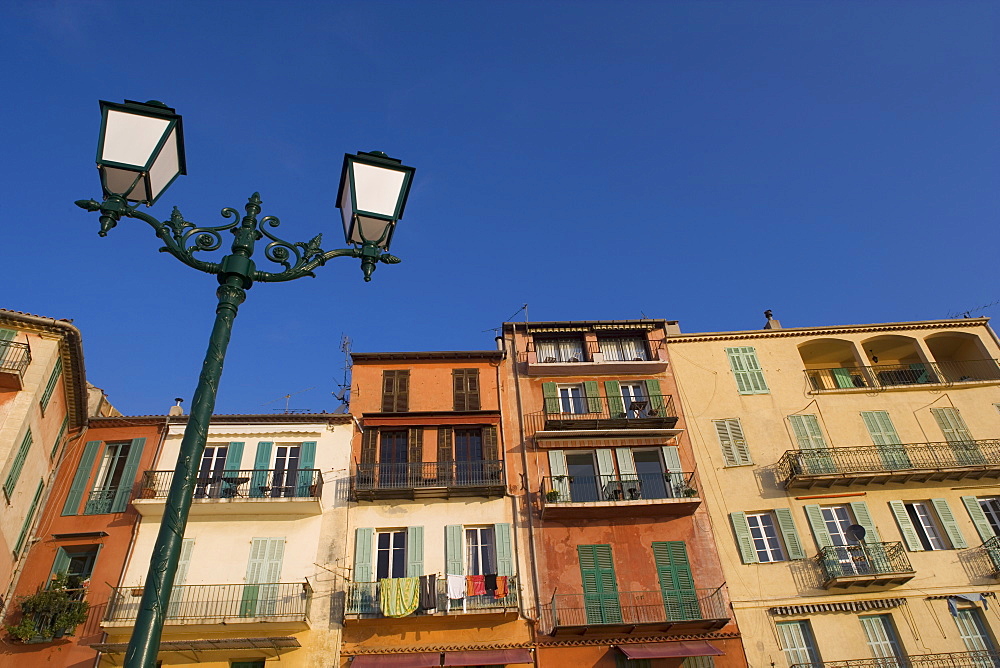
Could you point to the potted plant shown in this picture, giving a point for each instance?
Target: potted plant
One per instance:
(552, 495)
(51, 612)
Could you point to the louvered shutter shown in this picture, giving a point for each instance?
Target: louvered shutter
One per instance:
(616, 405)
(369, 446)
(626, 463)
(364, 538)
(675, 472)
(789, 534)
(808, 434)
(453, 562)
(445, 444)
(657, 402)
(746, 369)
(395, 391)
(591, 390)
(414, 552)
(234, 456)
(883, 434)
(59, 438)
(79, 486)
(559, 472)
(127, 480)
(491, 448)
(459, 390)
(550, 396)
(18, 464)
(260, 478)
(177, 593)
(600, 587)
(906, 528)
(815, 516)
(505, 549)
(605, 466)
(734, 446)
(22, 537)
(949, 523)
(983, 526)
(61, 564)
(415, 444)
(744, 541)
(307, 474)
(680, 600)
(952, 425)
(864, 518)
(50, 387)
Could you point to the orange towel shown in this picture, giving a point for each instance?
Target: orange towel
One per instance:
(501, 591)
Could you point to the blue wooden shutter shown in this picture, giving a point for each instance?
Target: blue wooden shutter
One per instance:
(364, 537)
(307, 464)
(789, 534)
(80, 479)
(616, 405)
(505, 550)
(128, 475)
(18, 464)
(453, 562)
(260, 479)
(414, 552)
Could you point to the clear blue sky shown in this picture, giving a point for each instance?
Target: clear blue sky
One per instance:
(702, 161)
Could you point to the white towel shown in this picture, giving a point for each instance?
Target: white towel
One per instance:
(456, 586)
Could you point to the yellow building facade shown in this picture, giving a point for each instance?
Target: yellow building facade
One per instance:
(852, 477)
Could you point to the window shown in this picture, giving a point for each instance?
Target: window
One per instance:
(732, 442)
(568, 349)
(975, 634)
(990, 506)
(571, 399)
(635, 399)
(623, 348)
(928, 525)
(746, 369)
(798, 643)
(286, 470)
(764, 535)
(210, 471)
(838, 521)
(77, 562)
(395, 391)
(50, 387)
(256, 663)
(17, 464)
(480, 551)
(757, 536)
(109, 477)
(390, 554)
(28, 520)
(651, 476)
(927, 529)
(466, 389)
(883, 640)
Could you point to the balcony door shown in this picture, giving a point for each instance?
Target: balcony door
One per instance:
(883, 433)
(680, 599)
(392, 459)
(883, 641)
(957, 434)
(635, 399)
(652, 477)
(213, 464)
(584, 483)
(600, 586)
(469, 465)
(798, 643)
(109, 477)
(849, 556)
(976, 636)
(286, 470)
(260, 593)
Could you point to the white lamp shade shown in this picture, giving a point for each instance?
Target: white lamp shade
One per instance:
(373, 192)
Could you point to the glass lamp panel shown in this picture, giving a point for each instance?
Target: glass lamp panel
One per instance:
(166, 167)
(347, 211)
(372, 229)
(123, 182)
(130, 139)
(377, 189)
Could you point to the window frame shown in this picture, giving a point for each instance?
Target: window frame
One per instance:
(928, 519)
(393, 551)
(481, 548)
(771, 543)
(991, 511)
(559, 349)
(579, 403)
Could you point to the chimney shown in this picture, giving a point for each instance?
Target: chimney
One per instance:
(772, 322)
(176, 408)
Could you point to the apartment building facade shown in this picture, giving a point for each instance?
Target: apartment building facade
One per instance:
(852, 475)
(432, 578)
(611, 522)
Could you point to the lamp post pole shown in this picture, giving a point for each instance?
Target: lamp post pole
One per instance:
(236, 273)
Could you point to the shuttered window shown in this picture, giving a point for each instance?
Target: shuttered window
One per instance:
(22, 537)
(395, 391)
(673, 569)
(59, 437)
(600, 587)
(798, 643)
(746, 370)
(808, 435)
(10, 482)
(732, 442)
(466, 387)
(952, 425)
(50, 387)
(985, 515)
(757, 536)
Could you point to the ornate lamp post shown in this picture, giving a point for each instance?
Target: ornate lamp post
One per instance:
(140, 153)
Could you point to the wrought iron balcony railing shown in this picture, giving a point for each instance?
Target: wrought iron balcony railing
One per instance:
(564, 489)
(866, 561)
(193, 604)
(363, 598)
(475, 475)
(605, 412)
(636, 607)
(992, 550)
(605, 349)
(14, 357)
(259, 484)
(898, 375)
(99, 501)
(883, 458)
(979, 659)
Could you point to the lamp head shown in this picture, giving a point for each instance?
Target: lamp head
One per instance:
(372, 196)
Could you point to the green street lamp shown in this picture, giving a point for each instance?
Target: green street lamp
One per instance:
(140, 153)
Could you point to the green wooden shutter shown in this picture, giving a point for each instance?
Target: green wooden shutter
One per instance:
(734, 446)
(79, 486)
(815, 516)
(414, 552)
(864, 518)
(234, 456)
(978, 517)
(263, 568)
(505, 549)
(842, 378)
(675, 472)
(592, 391)
(605, 466)
(744, 542)
(364, 538)
(50, 387)
(906, 528)
(306, 477)
(259, 479)
(453, 562)
(673, 569)
(7, 334)
(550, 394)
(559, 472)
(626, 463)
(657, 402)
(746, 369)
(59, 438)
(808, 434)
(178, 592)
(127, 480)
(949, 523)
(61, 565)
(884, 436)
(18, 464)
(789, 534)
(952, 425)
(616, 404)
(600, 587)
(22, 537)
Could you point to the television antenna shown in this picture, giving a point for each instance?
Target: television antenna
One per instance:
(286, 410)
(343, 394)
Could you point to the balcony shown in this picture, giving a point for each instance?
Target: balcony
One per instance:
(363, 601)
(604, 412)
(14, 359)
(978, 659)
(865, 565)
(230, 604)
(259, 492)
(902, 376)
(427, 480)
(573, 356)
(606, 496)
(992, 550)
(673, 610)
(880, 464)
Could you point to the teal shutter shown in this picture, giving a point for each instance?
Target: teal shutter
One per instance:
(734, 446)
(675, 472)
(657, 401)
(983, 526)
(18, 464)
(626, 463)
(453, 562)
(616, 405)
(842, 378)
(605, 466)
(550, 394)
(79, 486)
(746, 369)
(414, 552)
(7, 334)
(592, 391)
(815, 456)
(234, 456)
(864, 518)
(59, 438)
(259, 480)
(906, 528)
(61, 565)
(949, 523)
(26, 526)
(364, 538)
(673, 569)
(128, 475)
(307, 463)
(956, 432)
(789, 534)
(559, 472)
(50, 387)
(177, 592)
(884, 435)
(263, 572)
(505, 549)
(743, 539)
(600, 587)
(818, 526)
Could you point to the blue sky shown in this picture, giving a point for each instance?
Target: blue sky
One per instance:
(701, 161)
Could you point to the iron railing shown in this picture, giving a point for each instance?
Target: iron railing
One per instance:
(99, 501)
(867, 559)
(370, 477)
(880, 458)
(193, 603)
(896, 375)
(242, 484)
(14, 357)
(363, 598)
(563, 489)
(992, 550)
(976, 659)
(605, 412)
(634, 607)
(549, 350)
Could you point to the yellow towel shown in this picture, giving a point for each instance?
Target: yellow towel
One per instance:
(399, 597)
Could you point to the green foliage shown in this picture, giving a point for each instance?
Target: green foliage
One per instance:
(51, 612)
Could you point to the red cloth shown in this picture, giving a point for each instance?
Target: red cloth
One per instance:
(475, 585)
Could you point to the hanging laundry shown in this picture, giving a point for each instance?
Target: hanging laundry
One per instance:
(456, 586)
(475, 585)
(502, 587)
(490, 582)
(428, 592)
(399, 597)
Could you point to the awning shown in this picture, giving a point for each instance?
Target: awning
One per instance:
(667, 650)
(418, 660)
(279, 642)
(846, 606)
(487, 657)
